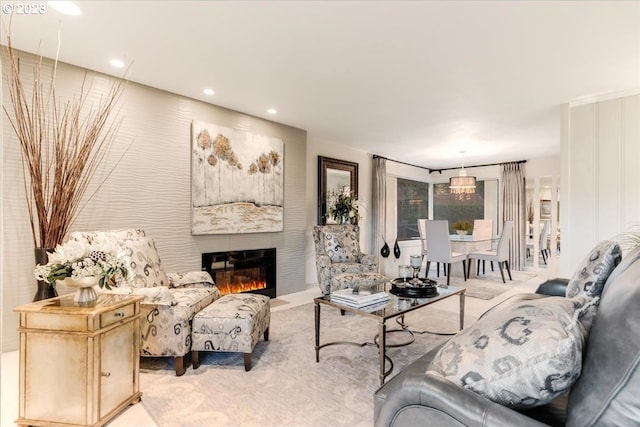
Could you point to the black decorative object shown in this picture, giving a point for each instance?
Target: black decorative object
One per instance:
(45, 290)
(396, 249)
(385, 251)
(414, 288)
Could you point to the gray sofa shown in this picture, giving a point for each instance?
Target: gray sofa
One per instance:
(605, 394)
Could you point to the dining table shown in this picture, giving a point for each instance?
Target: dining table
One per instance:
(465, 244)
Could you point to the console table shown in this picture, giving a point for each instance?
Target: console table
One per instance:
(79, 364)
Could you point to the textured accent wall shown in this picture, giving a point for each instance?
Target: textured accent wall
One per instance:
(151, 189)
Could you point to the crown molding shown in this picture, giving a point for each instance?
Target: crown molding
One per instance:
(590, 99)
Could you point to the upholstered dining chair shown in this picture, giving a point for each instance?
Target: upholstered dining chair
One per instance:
(439, 245)
(422, 229)
(544, 247)
(500, 254)
(482, 230)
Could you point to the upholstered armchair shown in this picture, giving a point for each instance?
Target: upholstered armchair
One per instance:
(338, 257)
(171, 300)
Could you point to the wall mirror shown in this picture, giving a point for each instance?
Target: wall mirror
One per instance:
(333, 176)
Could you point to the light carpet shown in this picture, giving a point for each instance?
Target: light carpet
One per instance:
(286, 387)
(486, 286)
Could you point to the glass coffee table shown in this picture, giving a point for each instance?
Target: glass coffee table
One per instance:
(396, 307)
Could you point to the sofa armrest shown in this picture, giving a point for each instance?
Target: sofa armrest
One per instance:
(554, 287)
(368, 259)
(430, 400)
(157, 295)
(323, 261)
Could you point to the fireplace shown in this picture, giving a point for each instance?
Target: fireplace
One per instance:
(243, 271)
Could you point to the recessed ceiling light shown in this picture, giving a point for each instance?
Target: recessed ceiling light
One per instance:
(272, 111)
(117, 63)
(66, 7)
(208, 91)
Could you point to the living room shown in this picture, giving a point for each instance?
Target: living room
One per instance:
(597, 143)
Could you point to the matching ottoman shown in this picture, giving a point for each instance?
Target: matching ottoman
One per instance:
(232, 323)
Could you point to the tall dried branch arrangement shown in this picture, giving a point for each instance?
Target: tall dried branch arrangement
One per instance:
(62, 144)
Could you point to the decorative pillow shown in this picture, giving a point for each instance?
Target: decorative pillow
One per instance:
(342, 245)
(177, 280)
(593, 271)
(98, 237)
(522, 355)
(143, 264)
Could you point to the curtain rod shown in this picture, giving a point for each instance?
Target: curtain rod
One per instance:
(375, 156)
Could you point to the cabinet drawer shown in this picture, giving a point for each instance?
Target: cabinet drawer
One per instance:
(114, 316)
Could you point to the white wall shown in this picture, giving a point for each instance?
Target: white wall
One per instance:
(599, 190)
(151, 189)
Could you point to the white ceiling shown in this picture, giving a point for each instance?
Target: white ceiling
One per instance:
(416, 81)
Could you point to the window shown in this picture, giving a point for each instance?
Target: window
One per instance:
(413, 204)
(472, 206)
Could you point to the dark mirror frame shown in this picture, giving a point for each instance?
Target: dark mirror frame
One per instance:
(325, 163)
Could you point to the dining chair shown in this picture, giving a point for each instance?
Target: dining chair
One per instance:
(500, 254)
(439, 245)
(544, 235)
(422, 229)
(482, 230)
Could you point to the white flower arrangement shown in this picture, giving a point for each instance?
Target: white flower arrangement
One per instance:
(78, 260)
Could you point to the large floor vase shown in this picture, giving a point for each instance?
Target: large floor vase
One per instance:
(85, 292)
(45, 290)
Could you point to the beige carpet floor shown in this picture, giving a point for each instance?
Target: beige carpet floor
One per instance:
(489, 285)
(286, 387)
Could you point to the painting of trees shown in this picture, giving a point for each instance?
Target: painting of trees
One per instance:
(226, 197)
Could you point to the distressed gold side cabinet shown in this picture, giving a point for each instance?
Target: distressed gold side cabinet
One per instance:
(79, 365)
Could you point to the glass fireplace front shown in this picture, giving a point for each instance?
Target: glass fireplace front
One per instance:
(243, 271)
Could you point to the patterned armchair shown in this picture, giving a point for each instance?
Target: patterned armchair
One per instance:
(338, 255)
(171, 300)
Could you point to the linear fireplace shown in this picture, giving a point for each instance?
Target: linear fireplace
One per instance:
(243, 271)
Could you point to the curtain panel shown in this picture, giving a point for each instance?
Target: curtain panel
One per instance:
(513, 205)
(379, 201)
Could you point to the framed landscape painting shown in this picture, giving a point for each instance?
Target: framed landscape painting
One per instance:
(237, 181)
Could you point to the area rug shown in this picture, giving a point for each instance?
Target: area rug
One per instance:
(286, 387)
(489, 285)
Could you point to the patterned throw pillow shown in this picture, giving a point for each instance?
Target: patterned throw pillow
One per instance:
(143, 264)
(593, 271)
(522, 355)
(177, 280)
(100, 237)
(342, 245)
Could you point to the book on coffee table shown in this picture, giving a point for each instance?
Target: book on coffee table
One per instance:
(358, 300)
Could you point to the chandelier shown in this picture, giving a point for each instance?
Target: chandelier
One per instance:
(462, 184)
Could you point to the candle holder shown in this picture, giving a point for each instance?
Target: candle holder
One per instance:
(416, 263)
(404, 271)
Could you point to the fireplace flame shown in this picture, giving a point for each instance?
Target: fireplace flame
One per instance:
(236, 288)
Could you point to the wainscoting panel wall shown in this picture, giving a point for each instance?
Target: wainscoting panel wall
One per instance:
(600, 175)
